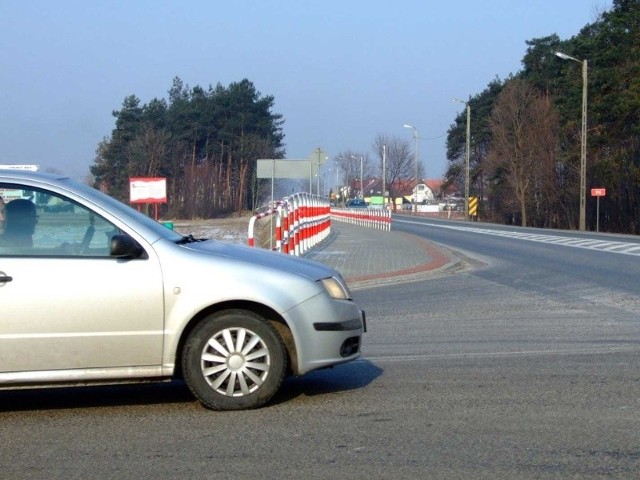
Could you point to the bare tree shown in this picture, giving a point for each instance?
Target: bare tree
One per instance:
(399, 163)
(349, 163)
(524, 147)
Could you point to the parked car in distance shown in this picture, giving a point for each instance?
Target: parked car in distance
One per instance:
(357, 203)
(98, 293)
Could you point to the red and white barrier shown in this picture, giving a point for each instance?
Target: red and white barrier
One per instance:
(376, 218)
(252, 223)
(302, 221)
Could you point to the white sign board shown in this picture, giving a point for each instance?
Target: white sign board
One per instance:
(148, 190)
(29, 168)
(285, 168)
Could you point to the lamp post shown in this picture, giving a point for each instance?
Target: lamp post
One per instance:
(467, 155)
(384, 177)
(361, 179)
(345, 189)
(583, 140)
(415, 137)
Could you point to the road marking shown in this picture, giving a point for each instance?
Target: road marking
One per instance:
(588, 244)
(515, 353)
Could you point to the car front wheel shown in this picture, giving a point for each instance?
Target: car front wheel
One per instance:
(234, 360)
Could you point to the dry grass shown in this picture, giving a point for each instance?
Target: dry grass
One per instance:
(234, 228)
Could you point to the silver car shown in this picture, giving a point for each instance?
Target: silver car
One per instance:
(94, 292)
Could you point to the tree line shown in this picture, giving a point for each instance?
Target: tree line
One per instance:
(205, 142)
(526, 137)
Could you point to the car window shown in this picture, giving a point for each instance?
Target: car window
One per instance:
(39, 223)
(118, 208)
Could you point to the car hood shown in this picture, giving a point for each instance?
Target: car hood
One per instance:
(266, 258)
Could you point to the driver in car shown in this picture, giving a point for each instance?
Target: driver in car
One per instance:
(20, 221)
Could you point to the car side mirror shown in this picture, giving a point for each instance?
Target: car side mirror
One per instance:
(124, 246)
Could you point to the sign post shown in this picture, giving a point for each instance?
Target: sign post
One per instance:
(598, 192)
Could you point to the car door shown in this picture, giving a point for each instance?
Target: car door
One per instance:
(68, 305)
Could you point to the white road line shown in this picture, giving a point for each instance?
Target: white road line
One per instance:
(599, 245)
(514, 353)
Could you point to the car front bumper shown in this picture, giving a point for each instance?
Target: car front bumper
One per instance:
(326, 332)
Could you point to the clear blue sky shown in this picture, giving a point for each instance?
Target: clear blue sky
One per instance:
(341, 71)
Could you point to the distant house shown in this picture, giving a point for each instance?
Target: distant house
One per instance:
(435, 185)
(402, 191)
(422, 194)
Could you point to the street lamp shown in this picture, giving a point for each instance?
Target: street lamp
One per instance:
(384, 177)
(415, 137)
(361, 179)
(583, 140)
(466, 158)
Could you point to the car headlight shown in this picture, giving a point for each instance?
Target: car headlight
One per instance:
(336, 289)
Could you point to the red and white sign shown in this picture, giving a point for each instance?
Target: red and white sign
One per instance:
(598, 192)
(147, 190)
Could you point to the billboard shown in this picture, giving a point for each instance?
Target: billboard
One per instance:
(147, 190)
(284, 168)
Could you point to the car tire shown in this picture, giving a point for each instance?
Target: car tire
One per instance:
(234, 360)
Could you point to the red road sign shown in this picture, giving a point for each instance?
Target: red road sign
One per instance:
(598, 192)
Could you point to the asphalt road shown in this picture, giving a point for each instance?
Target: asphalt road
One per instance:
(525, 364)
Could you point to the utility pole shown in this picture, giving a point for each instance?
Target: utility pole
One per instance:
(415, 195)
